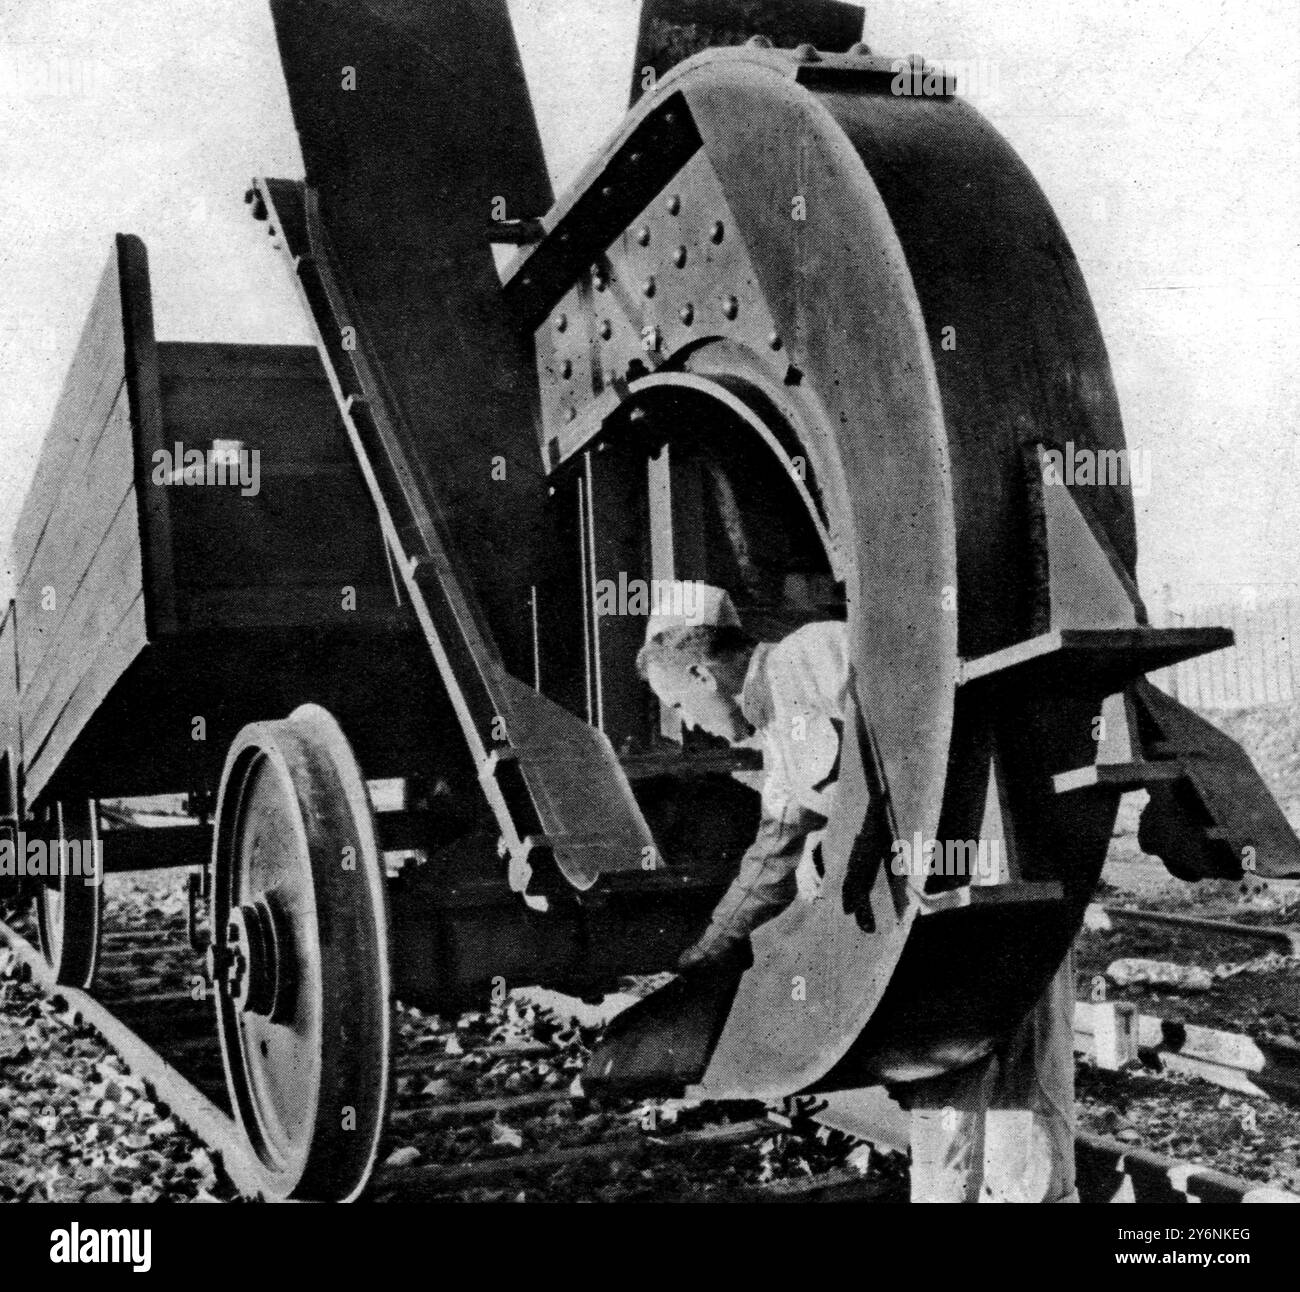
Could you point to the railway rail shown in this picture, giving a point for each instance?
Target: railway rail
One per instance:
(1115, 1033)
(170, 1040)
(1287, 938)
(143, 1006)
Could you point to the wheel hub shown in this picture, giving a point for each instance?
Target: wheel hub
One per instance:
(259, 962)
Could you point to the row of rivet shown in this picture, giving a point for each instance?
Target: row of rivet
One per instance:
(807, 53)
(730, 308)
(730, 305)
(673, 204)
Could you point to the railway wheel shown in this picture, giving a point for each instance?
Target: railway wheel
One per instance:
(300, 956)
(69, 902)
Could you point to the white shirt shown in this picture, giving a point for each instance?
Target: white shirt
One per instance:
(795, 694)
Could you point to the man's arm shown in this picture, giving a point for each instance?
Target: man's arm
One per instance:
(764, 884)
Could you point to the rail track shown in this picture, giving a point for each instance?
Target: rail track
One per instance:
(1286, 938)
(478, 1117)
(461, 1119)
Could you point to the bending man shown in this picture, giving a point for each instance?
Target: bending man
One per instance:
(1000, 1130)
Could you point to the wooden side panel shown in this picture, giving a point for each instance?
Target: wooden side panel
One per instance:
(137, 594)
(98, 612)
(291, 538)
(89, 393)
(80, 593)
(10, 728)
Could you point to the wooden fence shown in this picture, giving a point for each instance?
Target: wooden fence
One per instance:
(1261, 669)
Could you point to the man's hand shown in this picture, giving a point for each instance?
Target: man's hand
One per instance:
(808, 874)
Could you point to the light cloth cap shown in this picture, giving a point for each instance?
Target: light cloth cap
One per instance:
(683, 603)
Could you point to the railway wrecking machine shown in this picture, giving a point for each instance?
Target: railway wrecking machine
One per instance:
(806, 329)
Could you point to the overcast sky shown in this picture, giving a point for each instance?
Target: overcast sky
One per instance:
(1166, 134)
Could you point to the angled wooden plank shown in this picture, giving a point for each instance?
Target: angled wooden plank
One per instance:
(435, 138)
(552, 781)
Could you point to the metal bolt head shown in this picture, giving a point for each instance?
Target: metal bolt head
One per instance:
(774, 341)
(566, 369)
(570, 414)
(687, 313)
(236, 969)
(643, 236)
(598, 278)
(679, 257)
(759, 42)
(606, 330)
(807, 53)
(717, 232)
(860, 49)
(648, 287)
(674, 204)
(562, 323)
(730, 306)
